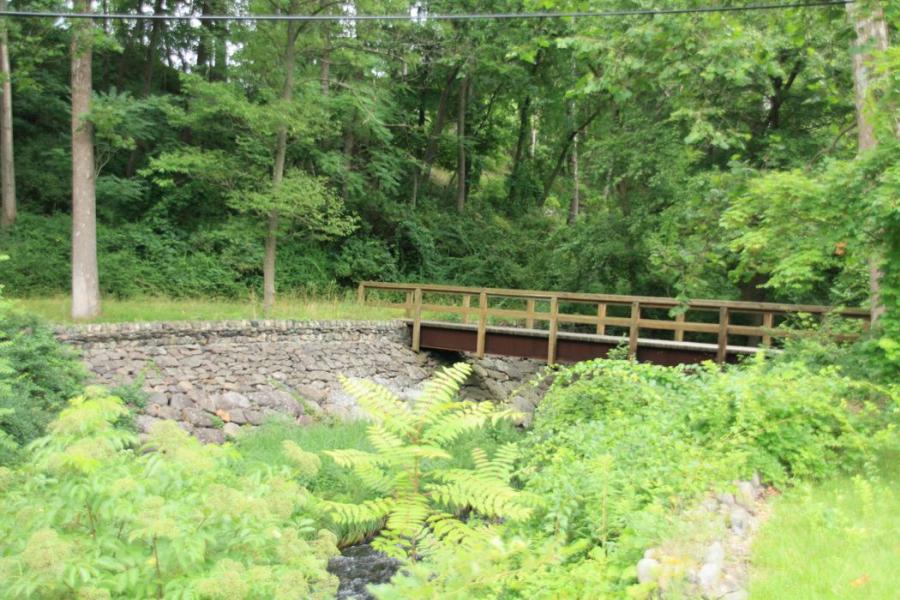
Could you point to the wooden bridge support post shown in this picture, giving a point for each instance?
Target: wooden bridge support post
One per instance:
(768, 323)
(601, 317)
(417, 319)
(482, 324)
(467, 302)
(408, 304)
(633, 330)
(529, 309)
(554, 326)
(361, 294)
(679, 324)
(722, 350)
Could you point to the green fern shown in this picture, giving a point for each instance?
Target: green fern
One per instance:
(422, 499)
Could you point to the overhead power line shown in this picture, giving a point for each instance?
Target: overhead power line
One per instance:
(425, 17)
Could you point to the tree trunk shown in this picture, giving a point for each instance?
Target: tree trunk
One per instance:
(287, 94)
(150, 51)
(564, 151)
(325, 73)
(524, 118)
(461, 145)
(349, 145)
(575, 204)
(871, 35)
(85, 278)
(431, 145)
(7, 164)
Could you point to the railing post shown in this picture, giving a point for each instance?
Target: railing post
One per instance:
(482, 324)
(768, 323)
(554, 324)
(467, 302)
(529, 308)
(361, 293)
(722, 350)
(417, 319)
(679, 331)
(601, 317)
(633, 330)
(408, 311)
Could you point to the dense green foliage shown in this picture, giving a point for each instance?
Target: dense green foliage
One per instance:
(619, 449)
(91, 515)
(37, 375)
(716, 153)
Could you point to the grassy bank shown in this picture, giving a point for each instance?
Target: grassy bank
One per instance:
(57, 309)
(837, 540)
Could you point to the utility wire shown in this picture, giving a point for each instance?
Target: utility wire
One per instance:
(424, 17)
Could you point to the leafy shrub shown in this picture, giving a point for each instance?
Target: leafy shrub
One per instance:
(421, 498)
(618, 448)
(37, 375)
(91, 515)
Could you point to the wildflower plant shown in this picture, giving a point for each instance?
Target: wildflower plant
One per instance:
(94, 514)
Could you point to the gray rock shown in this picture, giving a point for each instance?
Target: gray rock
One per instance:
(232, 400)
(180, 401)
(236, 415)
(746, 495)
(709, 575)
(647, 569)
(726, 498)
(157, 398)
(145, 422)
(162, 412)
(231, 430)
(185, 385)
(739, 519)
(197, 417)
(715, 553)
(209, 435)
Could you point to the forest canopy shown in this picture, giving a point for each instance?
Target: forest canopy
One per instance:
(702, 154)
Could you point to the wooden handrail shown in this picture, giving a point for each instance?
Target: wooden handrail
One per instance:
(646, 301)
(413, 306)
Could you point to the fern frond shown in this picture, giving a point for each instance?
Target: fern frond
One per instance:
(382, 438)
(380, 404)
(369, 512)
(442, 388)
(408, 516)
(350, 457)
(466, 417)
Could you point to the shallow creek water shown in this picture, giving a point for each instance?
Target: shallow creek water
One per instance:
(357, 567)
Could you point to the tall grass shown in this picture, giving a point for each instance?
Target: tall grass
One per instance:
(57, 309)
(838, 540)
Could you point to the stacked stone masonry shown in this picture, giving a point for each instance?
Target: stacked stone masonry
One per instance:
(216, 376)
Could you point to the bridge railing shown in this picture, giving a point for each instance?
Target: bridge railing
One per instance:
(723, 319)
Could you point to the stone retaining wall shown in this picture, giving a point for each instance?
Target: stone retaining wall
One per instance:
(216, 376)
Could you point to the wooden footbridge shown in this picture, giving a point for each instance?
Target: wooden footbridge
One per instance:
(570, 327)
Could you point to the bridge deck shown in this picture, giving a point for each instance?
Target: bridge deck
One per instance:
(570, 347)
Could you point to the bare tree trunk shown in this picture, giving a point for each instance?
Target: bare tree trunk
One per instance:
(287, 94)
(7, 164)
(871, 35)
(461, 145)
(564, 151)
(325, 73)
(349, 145)
(85, 277)
(575, 204)
(431, 145)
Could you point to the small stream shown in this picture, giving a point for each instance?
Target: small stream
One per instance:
(359, 566)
